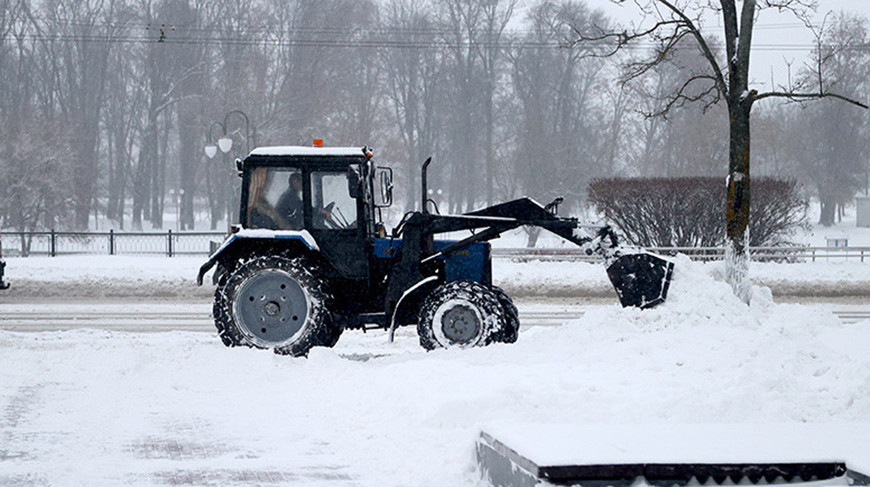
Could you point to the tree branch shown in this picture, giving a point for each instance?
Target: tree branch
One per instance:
(622, 39)
(705, 49)
(729, 15)
(680, 98)
(740, 72)
(809, 96)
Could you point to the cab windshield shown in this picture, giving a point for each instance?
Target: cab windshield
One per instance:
(275, 198)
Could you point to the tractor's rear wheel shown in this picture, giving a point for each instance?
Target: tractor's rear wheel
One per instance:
(277, 303)
(461, 314)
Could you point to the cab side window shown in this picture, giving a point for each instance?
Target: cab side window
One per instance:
(332, 205)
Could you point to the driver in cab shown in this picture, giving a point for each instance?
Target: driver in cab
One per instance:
(290, 203)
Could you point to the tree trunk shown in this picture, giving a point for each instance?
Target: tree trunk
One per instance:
(532, 233)
(828, 210)
(158, 177)
(147, 155)
(187, 161)
(89, 72)
(84, 178)
(737, 206)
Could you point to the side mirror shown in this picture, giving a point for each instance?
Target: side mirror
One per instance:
(383, 187)
(239, 166)
(353, 179)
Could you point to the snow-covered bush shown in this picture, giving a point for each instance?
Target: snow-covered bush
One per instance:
(690, 212)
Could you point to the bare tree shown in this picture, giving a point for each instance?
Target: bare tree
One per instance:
(413, 80)
(495, 15)
(81, 70)
(685, 141)
(129, 89)
(38, 182)
(461, 21)
(834, 148)
(563, 138)
(668, 23)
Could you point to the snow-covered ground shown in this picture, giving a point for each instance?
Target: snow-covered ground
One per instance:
(163, 277)
(110, 408)
(818, 235)
(92, 407)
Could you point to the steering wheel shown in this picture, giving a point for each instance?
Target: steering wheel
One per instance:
(326, 216)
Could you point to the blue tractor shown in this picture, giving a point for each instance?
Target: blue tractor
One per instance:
(311, 257)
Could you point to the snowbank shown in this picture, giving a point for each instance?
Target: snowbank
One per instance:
(137, 276)
(109, 408)
(104, 276)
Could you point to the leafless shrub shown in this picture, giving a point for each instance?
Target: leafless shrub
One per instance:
(687, 212)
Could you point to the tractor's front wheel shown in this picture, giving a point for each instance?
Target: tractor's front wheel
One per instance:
(463, 314)
(277, 303)
(511, 330)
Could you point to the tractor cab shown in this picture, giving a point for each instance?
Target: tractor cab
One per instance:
(327, 192)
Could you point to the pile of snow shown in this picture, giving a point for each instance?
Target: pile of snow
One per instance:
(111, 408)
(144, 276)
(105, 275)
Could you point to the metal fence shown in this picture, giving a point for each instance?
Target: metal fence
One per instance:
(52, 243)
(171, 243)
(763, 254)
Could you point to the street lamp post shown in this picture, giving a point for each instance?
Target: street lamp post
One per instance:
(225, 145)
(210, 147)
(225, 142)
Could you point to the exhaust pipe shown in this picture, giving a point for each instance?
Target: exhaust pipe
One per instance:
(424, 195)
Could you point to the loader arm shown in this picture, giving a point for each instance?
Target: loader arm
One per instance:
(641, 279)
(594, 239)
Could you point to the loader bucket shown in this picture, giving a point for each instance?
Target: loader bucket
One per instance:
(641, 280)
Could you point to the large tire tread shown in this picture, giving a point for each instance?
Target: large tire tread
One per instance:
(474, 294)
(319, 330)
(510, 332)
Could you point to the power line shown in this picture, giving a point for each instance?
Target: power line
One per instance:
(391, 30)
(362, 41)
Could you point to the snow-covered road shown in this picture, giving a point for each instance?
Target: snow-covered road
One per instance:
(183, 316)
(195, 315)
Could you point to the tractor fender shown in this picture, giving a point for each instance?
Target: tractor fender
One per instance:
(421, 287)
(244, 236)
